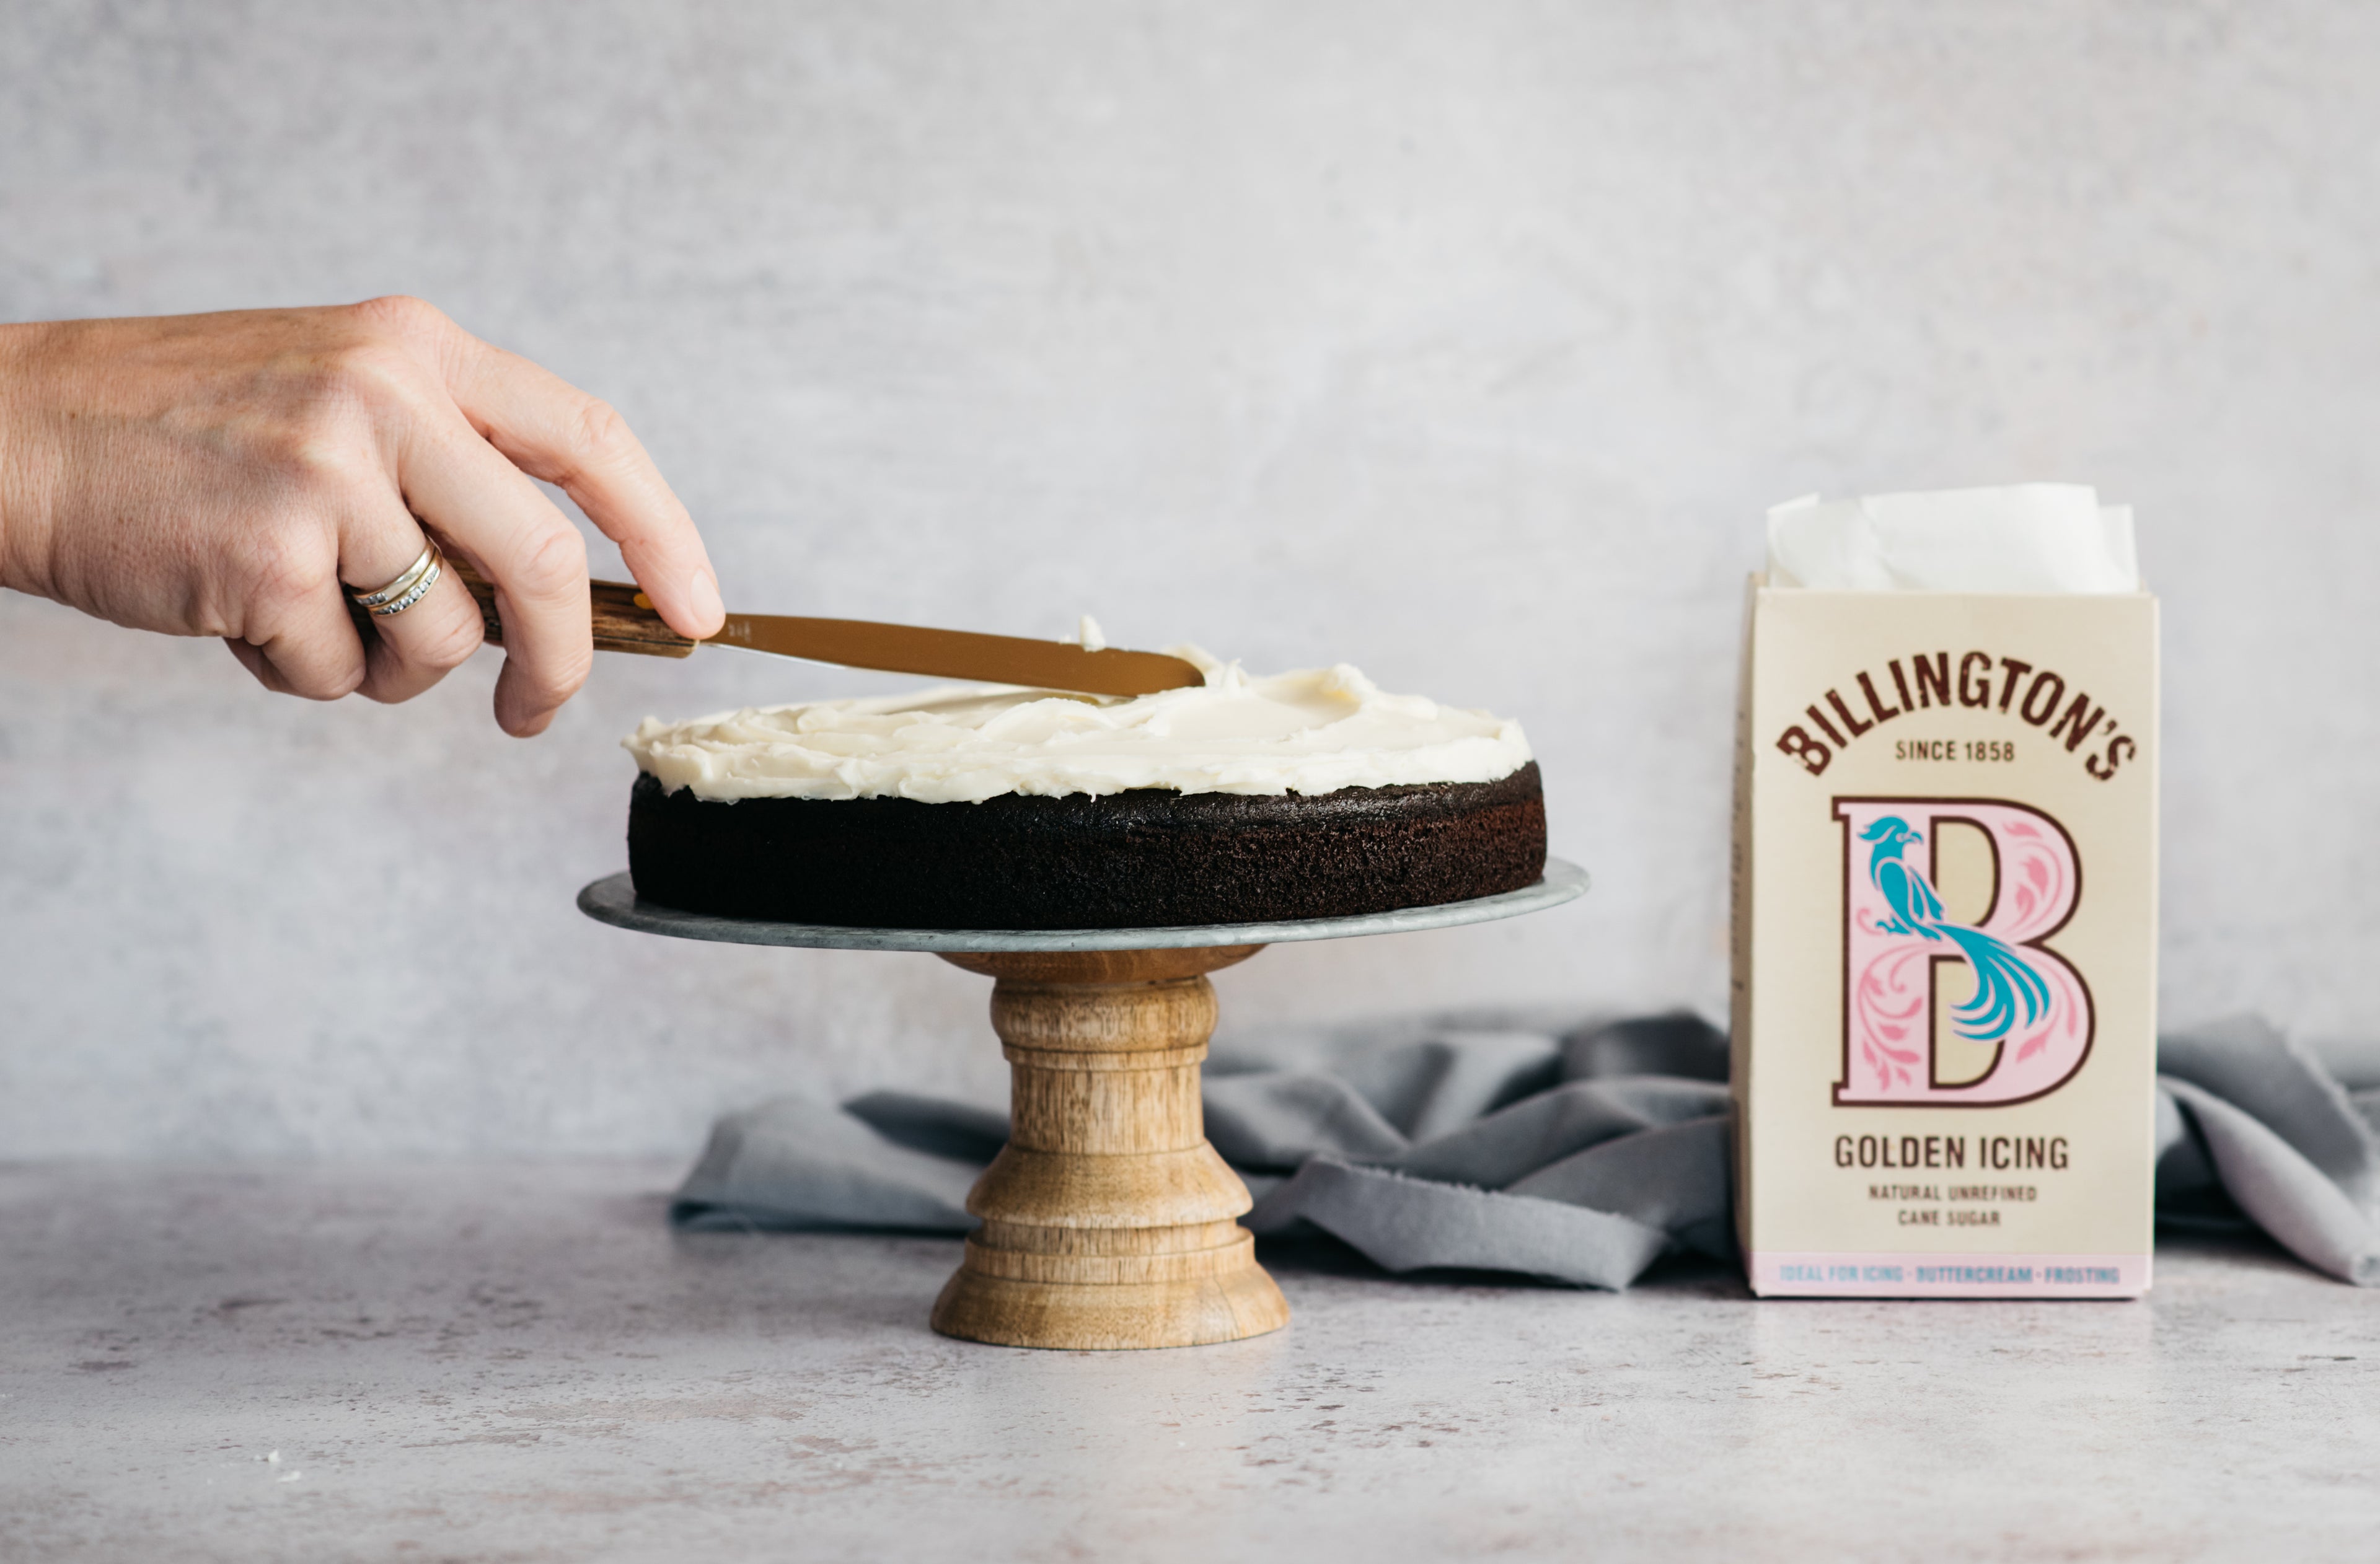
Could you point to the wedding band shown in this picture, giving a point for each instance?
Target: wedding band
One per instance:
(406, 589)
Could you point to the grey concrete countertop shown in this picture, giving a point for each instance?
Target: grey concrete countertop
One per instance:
(523, 1363)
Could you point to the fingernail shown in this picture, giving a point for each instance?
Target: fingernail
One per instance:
(702, 596)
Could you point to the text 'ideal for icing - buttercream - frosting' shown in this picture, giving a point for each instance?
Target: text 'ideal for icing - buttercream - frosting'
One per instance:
(1313, 731)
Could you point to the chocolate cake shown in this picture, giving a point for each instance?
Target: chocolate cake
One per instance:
(1301, 796)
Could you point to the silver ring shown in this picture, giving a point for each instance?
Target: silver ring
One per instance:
(414, 593)
(408, 588)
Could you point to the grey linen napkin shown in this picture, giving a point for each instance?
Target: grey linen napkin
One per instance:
(1578, 1151)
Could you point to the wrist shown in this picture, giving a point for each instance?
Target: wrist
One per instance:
(26, 479)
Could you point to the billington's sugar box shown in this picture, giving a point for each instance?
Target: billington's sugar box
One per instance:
(1946, 923)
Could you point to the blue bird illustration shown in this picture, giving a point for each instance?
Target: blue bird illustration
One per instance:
(2003, 981)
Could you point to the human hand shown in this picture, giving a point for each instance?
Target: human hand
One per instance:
(223, 475)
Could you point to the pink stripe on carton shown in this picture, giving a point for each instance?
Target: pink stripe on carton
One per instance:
(1786, 1274)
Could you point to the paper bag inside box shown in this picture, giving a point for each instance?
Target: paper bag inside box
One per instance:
(1945, 1038)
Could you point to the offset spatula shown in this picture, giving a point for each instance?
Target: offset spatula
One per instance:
(624, 620)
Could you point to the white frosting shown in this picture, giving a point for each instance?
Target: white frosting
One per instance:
(1314, 730)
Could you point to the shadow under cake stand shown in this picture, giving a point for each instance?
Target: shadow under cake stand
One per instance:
(1108, 1220)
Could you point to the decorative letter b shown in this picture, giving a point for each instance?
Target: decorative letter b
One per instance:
(2031, 1006)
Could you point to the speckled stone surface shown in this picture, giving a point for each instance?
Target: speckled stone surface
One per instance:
(522, 1363)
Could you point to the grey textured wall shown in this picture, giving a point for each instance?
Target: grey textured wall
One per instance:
(1465, 341)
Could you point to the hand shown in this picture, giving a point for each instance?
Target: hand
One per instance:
(223, 475)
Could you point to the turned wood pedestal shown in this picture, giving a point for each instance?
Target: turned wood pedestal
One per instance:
(1108, 1220)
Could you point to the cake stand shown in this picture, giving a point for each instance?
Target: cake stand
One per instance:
(1108, 1220)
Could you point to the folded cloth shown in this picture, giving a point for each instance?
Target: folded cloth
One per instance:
(1576, 1150)
(2246, 1112)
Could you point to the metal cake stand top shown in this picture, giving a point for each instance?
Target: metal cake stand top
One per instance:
(613, 900)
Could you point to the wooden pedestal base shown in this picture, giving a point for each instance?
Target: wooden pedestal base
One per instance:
(1108, 1220)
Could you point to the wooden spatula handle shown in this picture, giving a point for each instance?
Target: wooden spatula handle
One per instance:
(624, 619)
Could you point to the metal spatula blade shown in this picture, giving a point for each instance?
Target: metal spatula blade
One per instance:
(624, 620)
